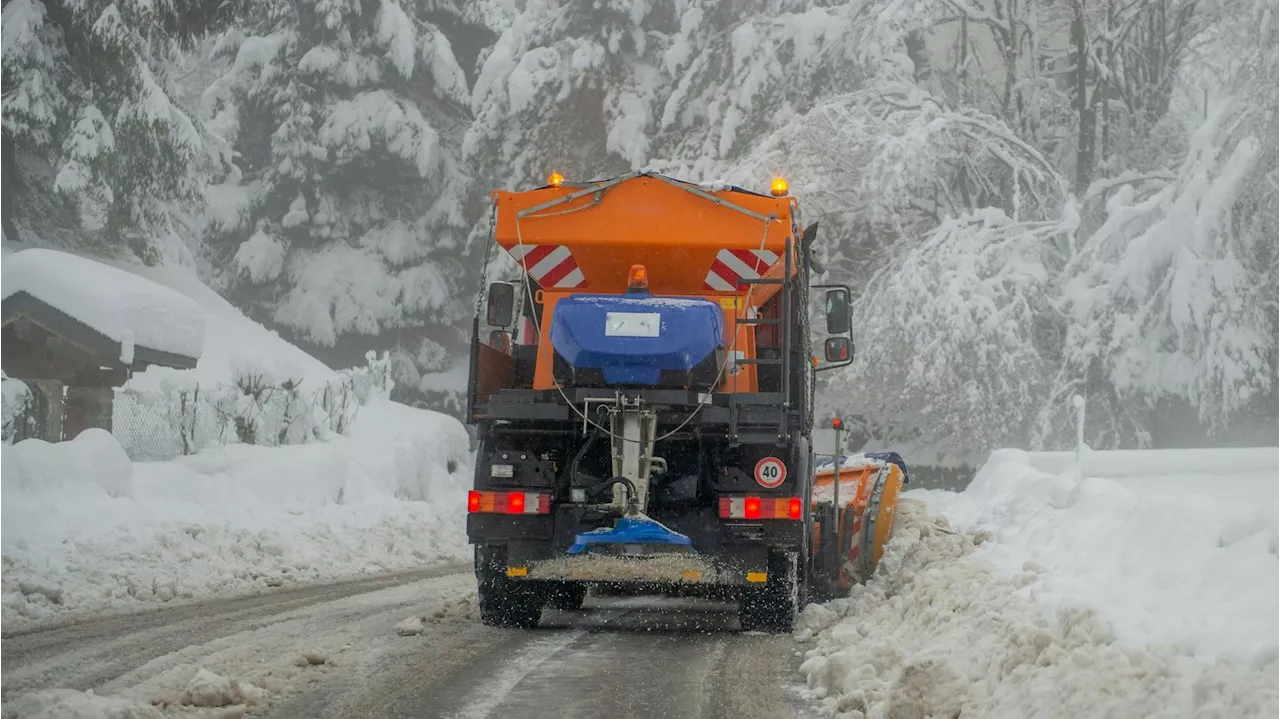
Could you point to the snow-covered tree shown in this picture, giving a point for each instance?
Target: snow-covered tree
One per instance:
(689, 88)
(1172, 299)
(89, 117)
(345, 208)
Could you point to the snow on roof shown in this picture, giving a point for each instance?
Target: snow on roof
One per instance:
(232, 340)
(126, 308)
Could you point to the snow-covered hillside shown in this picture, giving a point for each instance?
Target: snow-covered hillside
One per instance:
(1037, 594)
(85, 528)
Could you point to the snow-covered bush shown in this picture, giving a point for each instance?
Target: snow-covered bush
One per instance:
(17, 408)
(183, 418)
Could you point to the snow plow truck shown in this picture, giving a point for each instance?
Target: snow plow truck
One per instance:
(642, 397)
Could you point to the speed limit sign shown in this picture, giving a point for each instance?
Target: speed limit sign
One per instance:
(770, 472)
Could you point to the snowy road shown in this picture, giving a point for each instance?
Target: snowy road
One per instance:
(334, 651)
(617, 658)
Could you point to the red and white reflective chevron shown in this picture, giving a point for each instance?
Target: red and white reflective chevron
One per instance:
(549, 265)
(731, 266)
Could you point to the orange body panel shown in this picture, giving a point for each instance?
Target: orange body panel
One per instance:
(676, 234)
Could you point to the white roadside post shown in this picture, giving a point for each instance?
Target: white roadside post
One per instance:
(1078, 402)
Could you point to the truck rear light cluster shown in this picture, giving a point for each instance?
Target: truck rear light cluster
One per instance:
(761, 508)
(509, 502)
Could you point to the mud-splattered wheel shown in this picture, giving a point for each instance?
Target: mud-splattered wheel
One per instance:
(503, 602)
(773, 607)
(567, 595)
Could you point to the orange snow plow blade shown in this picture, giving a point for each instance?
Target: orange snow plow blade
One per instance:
(869, 501)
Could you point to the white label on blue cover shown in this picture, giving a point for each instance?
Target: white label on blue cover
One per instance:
(632, 324)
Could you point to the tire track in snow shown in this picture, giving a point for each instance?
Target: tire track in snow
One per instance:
(86, 654)
(494, 692)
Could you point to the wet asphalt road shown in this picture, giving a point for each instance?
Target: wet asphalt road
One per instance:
(617, 658)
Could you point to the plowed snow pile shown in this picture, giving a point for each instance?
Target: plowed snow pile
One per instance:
(949, 628)
(85, 529)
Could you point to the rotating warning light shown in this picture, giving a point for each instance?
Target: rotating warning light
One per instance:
(555, 180)
(638, 279)
(778, 188)
(836, 423)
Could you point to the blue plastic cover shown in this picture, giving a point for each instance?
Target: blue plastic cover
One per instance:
(689, 329)
(630, 530)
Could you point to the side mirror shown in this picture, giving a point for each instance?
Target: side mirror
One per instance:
(502, 297)
(839, 317)
(838, 349)
(501, 341)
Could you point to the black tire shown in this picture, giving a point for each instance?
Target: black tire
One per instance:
(504, 602)
(567, 595)
(773, 607)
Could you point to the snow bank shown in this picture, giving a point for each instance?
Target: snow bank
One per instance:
(119, 304)
(1186, 559)
(1127, 463)
(70, 704)
(85, 529)
(941, 632)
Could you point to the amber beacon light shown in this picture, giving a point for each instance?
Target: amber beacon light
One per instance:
(778, 188)
(555, 180)
(638, 279)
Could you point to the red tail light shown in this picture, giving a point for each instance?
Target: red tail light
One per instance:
(761, 508)
(508, 502)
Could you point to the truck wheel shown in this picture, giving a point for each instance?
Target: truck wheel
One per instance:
(503, 602)
(567, 595)
(773, 607)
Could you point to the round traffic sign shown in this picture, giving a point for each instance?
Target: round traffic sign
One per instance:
(770, 472)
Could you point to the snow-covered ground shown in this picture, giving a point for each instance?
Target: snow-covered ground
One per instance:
(86, 529)
(1146, 587)
(229, 658)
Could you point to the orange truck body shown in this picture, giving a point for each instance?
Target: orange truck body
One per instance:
(690, 247)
